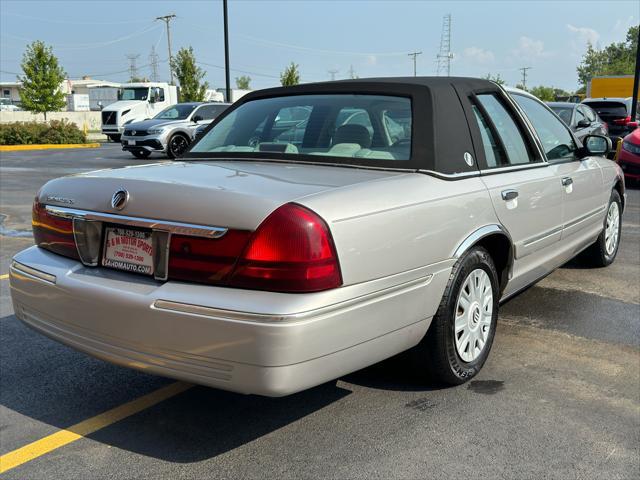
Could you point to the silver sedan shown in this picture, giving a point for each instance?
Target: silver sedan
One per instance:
(315, 230)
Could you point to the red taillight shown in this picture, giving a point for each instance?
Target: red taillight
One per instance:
(205, 260)
(622, 121)
(53, 232)
(291, 251)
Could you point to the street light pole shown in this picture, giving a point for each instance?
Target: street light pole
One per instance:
(226, 51)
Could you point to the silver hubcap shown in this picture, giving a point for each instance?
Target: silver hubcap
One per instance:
(474, 311)
(612, 229)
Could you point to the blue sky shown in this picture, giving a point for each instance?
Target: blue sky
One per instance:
(93, 36)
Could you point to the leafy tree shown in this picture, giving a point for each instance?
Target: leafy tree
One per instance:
(40, 91)
(139, 79)
(243, 82)
(290, 76)
(189, 75)
(546, 94)
(495, 78)
(614, 59)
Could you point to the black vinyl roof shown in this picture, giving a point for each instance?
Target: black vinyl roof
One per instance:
(440, 136)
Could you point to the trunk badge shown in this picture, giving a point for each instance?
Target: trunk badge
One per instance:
(119, 199)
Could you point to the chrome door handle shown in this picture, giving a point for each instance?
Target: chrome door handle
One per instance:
(509, 195)
(566, 181)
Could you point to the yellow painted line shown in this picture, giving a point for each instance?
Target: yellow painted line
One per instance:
(15, 148)
(79, 430)
(4, 276)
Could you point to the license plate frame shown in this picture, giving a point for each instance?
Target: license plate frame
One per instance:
(128, 249)
(131, 143)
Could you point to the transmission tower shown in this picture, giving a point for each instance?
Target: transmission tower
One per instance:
(133, 69)
(153, 62)
(444, 56)
(332, 73)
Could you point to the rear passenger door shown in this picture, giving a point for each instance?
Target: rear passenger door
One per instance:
(525, 192)
(583, 195)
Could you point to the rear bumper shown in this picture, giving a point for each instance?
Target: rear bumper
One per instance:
(245, 341)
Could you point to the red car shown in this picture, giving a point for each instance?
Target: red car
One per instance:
(629, 156)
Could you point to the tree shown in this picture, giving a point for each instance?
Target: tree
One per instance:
(189, 76)
(290, 76)
(495, 78)
(614, 59)
(546, 94)
(40, 91)
(139, 79)
(243, 82)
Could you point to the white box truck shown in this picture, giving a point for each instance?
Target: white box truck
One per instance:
(136, 102)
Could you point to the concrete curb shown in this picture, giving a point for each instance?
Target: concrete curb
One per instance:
(16, 148)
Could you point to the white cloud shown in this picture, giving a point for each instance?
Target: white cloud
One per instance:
(479, 55)
(585, 34)
(529, 49)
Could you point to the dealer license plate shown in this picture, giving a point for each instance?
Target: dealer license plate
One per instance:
(129, 250)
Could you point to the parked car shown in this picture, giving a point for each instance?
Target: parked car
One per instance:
(629, 156)
(582, 119)
(264, 267)
(170, 131)
(616, 112)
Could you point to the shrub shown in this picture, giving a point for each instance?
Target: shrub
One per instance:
(32, 133)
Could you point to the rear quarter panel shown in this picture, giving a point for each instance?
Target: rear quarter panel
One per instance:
(401, 223)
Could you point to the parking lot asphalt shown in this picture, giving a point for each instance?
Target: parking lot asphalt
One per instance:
(558, 398)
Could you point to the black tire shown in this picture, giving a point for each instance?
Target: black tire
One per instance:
(597, 255)
(142, 153)
(437, 353)
(177, 145)
(115, 138)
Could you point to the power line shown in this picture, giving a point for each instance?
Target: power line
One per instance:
(167, 19)
(524, 76)
(238, 70)
(444, 56)
(414, 55)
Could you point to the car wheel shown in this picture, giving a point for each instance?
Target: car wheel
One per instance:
(177, 145)
(603, 252)
(459, 339)
(141, 153)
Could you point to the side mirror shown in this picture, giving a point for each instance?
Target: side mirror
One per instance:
(596, 145)
(197, 118)
(583, 123)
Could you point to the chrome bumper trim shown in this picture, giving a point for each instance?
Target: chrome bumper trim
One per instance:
(17, 268)
(178, 228)
(252, 317)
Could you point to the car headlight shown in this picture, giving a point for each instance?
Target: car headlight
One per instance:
(631, 148)
(157, 131)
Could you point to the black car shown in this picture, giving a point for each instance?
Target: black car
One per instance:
(582, 119)
(616, 112)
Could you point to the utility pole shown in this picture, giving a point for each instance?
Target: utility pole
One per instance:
(524, 76)
(226, 51)
(332, 73)
(167, 19)
(636, 80)
(445, 55)
(133, 69)
(153, 62)
(352, 72)
(414, 55)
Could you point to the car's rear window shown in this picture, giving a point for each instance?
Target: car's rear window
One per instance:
(375, 127)
(564, 113)
(609, 109)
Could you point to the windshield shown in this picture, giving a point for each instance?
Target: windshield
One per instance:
(564, 113)
(372, 127)
(176, 112)
(139, 93)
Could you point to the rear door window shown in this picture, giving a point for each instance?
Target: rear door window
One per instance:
(505, 131)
